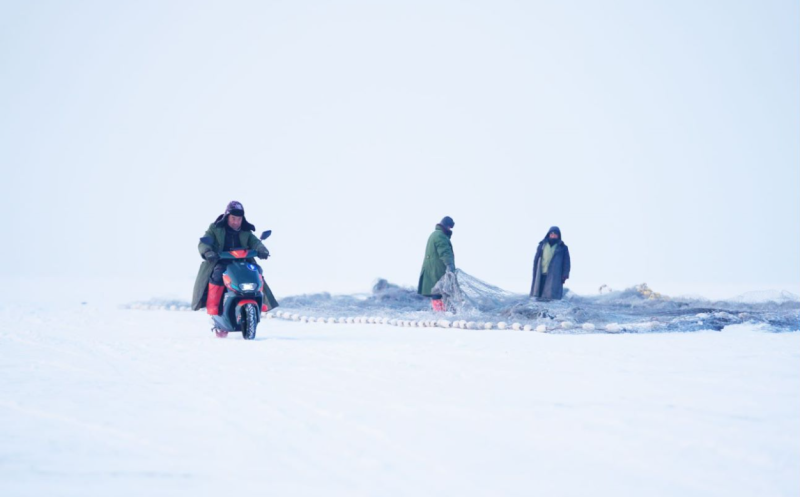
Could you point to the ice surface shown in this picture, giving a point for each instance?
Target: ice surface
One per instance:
(103, 401)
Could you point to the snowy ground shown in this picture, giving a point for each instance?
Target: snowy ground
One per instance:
(102, 401)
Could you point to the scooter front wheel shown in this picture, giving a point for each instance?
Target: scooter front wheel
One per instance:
(249, 321)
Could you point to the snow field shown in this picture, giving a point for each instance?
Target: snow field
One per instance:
(150, 403)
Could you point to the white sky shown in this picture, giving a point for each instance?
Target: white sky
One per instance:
(662, 137)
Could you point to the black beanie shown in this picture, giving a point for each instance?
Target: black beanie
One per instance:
(448, 222)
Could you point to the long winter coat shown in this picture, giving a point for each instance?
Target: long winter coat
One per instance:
(216, 230)
(438, 254)
(556, 272)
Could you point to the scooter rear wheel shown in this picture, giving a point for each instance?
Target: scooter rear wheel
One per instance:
(250, 322)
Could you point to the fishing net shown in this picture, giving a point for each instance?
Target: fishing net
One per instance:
(463, 293)
(636, 309)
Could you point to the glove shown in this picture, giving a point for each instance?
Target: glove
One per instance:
(263, 253)
(211, 256)
(451, 268)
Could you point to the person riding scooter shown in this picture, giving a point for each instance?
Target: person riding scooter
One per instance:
(229, 231)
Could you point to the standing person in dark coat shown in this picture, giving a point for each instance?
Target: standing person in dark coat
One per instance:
(551, 267)
(439, 259)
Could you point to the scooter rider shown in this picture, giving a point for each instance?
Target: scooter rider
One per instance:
(230, 230)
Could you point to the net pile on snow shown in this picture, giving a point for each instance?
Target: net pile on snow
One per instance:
(637, 309)
(159, 305)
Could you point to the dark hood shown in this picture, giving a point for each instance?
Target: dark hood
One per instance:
(222, 221)
(552, 229)
(447, 231)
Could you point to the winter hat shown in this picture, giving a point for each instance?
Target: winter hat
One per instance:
(553, 229)
(448, 222)
(235, 208)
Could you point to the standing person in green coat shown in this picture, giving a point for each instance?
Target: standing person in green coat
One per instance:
(229, 231)
(439, 259)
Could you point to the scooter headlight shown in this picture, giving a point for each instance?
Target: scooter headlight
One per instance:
(248, 287)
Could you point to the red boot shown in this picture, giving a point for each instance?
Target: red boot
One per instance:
(438, 305)
(214, 296)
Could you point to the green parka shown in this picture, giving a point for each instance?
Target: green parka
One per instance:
(216, 230)
(438, 255)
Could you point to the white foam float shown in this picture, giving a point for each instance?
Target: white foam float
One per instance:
(501, 325)
(488, 326)
(516, 326)
(471, 325)
(613, 328)
(527, 327)
(541, 328)
(588, 326)
(567, 325)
